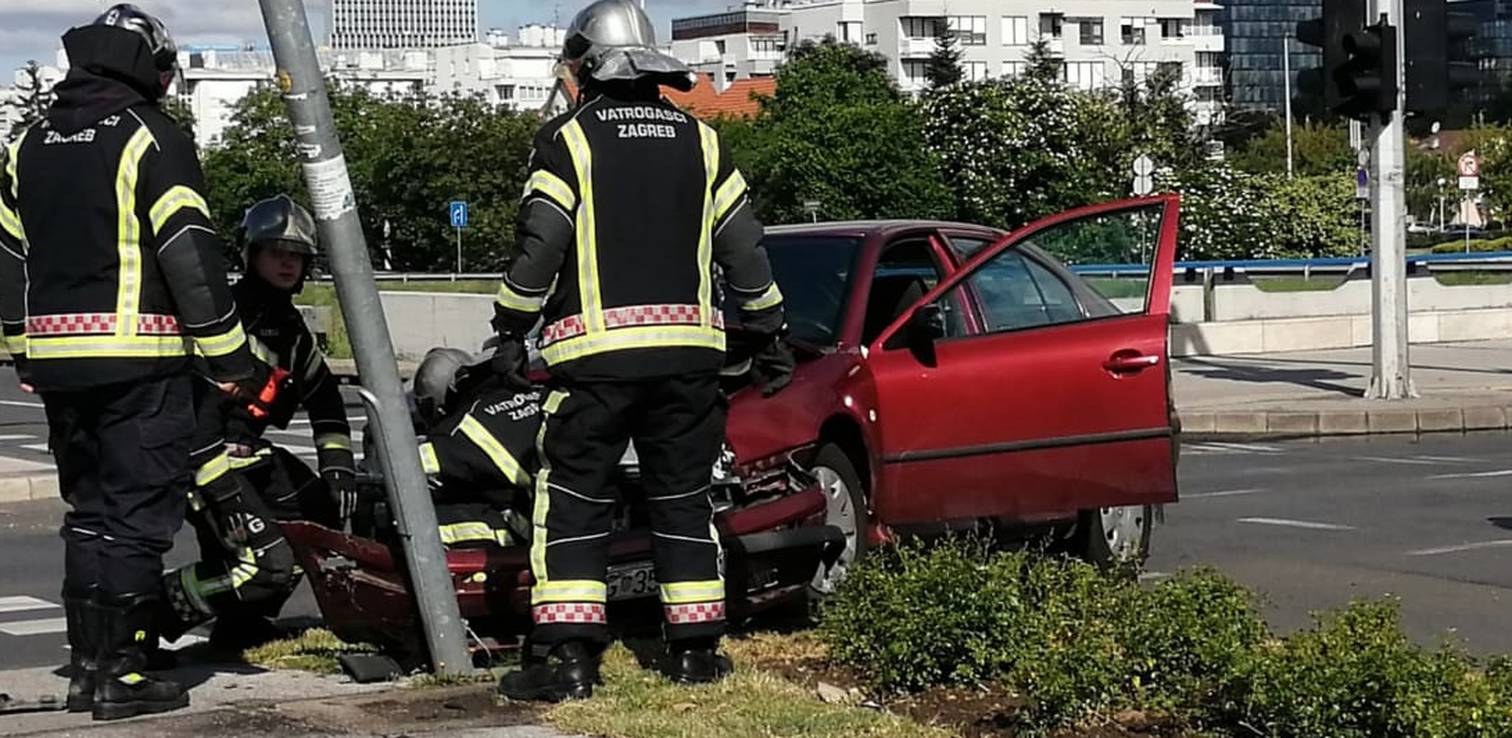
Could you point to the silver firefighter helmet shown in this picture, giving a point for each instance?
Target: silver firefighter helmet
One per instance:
(280, 223)
(615, 40)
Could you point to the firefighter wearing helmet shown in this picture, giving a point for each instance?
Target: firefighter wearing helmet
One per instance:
(111, 283)
(245, 484)
(631, 208)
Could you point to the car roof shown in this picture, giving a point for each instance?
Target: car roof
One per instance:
(870, 227)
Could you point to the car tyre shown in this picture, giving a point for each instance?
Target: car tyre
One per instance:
(846, 509)
(1115, 536)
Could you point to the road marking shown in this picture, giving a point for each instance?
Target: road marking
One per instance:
(1475, 475)
(23, 602)
(35, 627)
(39, 447)
(1391, 460)
(1459, 548)
(1448, 459)
(1244, 448)
(16, 437)
(1287, 523)
(1222, 493)
(18, 403)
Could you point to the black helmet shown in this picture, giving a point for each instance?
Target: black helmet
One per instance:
(159, 44)
(435, 384)
(279, 222)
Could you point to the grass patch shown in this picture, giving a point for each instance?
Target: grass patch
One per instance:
(1470, 279)
(313, 650)
(1296, 284)
(752, 703)
(1119, 289)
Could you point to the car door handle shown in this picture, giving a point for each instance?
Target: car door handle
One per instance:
(1129, 361)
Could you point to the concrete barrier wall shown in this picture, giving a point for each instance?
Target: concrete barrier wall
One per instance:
(419, 321)
(1332, 332)
(1233, 302)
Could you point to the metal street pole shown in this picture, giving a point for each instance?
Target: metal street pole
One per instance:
(325, 172)
(1391, 377)
(1286, 75)
(459, 250)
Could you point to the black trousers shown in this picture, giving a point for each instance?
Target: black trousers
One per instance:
(123, 468)
(677, 425)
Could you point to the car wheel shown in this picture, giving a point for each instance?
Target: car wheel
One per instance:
(844, 508)
(1111, 536)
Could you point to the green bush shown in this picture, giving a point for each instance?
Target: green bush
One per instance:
(1477, 245)
(1075, 641)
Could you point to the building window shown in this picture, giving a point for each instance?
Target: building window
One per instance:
(1171, 29)
(1013, 68)
(871, 39)
(1133, 31)
(1084, 75)
(1091, 31)
(974, 71)
(970, 30)
(1015, 30)
(850, 32)
(1171, 70)
(917, 27)
(915, 72)
(1050, 25)
(506, 92)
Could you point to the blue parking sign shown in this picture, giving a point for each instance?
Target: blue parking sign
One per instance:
(458, 214)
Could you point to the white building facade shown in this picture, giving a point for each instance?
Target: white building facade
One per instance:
(738, 44)
(517, 73)
(402, 24)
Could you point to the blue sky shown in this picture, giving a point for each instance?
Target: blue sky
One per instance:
(29, 29)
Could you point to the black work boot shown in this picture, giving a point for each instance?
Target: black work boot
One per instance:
(122, 688)
(84, 634)
(695, 661)
(568, 672)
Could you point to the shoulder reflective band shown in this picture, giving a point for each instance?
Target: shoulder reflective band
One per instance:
(129, 231)
(710, 141)
(496, 452)
(429, 462)
(678, 593)
(175, 199)
(511, 300)
(213, 469)
(106, 347)
(729, 193)
(221, 344)
(769, 299)
(621, 339)
(586, 229)
(333, 442)
(569, 590)
(553, 187)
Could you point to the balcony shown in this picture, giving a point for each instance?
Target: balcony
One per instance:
(1207, 76)
(916, 48)
(1206, 38)
(1056, 46)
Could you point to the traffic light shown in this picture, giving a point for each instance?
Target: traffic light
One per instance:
(1327, 33)
(1440, 63)
(1358, 76)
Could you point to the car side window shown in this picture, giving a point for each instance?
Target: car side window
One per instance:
(1060, 303)
(906, 271)
(1006, 295)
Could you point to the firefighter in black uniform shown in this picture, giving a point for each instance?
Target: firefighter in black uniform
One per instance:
(630, 208)
(111, 280)
(244, 483)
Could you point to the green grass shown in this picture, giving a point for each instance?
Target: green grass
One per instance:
(751, 703)
(1297, 284)
(314, 650)
(1464, 279)
(1116, 289)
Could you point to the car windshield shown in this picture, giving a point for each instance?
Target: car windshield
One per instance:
(814, 275)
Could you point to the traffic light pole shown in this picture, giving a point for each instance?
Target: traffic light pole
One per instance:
(1392, 376)
(304, 93)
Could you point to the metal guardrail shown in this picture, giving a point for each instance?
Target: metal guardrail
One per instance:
(1194, 270)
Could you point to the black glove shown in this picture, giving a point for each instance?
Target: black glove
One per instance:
(343, 486)
(511, 363)
(773, 366)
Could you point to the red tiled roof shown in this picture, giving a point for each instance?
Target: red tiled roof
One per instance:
(738, 101)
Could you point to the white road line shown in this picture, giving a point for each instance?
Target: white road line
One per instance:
(1391, 460)
(16, 437)
(1448, 459)
(1459, 548)
(1221, 493)
(1287, 523)
(1247, 448)
(38, 447)
(35, 627)
(18, 403)
(19, 603)
(1475, 475)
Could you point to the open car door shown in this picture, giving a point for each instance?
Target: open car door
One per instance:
(1016, 389)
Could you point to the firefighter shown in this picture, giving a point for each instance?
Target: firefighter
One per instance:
(245, 484)
(111, 281)
(630, 207)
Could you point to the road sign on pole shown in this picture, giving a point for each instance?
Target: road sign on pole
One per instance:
(1144, 180)
(1362, 184)
(1469, 171)
(458, 211)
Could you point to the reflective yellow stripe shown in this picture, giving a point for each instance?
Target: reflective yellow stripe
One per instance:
(570, 590)
(470, 531)
(259, 456)
(729, 193)
(175, 199)
(587, 236)
(512, 300)
(235, 577)
(501, 457)
(222, 344)
(554, 401)
(213, 469)
(428, 459)
(769, 299)
(680, 593)
(261, 351)
(553, 187)
(542, 508)
(710, 142)
(106, 347)
(620, 339)
(16, 345)
(11, 222)
(333, 442)
(129, 232)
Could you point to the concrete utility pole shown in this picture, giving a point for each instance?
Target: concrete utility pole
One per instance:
(325, 171)
(1392, 375)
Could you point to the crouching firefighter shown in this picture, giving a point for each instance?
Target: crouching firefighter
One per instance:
(630, 206)
(111, 278)
(243, 483)
(478, 449)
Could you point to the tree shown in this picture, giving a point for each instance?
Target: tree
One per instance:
(31, 97)
(1317, 149)
(407, 159)
(838, 132)
(944, 67)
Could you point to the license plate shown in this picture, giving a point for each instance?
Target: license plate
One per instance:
(631, 581)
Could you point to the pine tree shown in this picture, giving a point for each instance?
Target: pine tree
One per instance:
(944, 67)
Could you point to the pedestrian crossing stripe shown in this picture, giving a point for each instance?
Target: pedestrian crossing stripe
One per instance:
(35, 627)
(21, 603)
